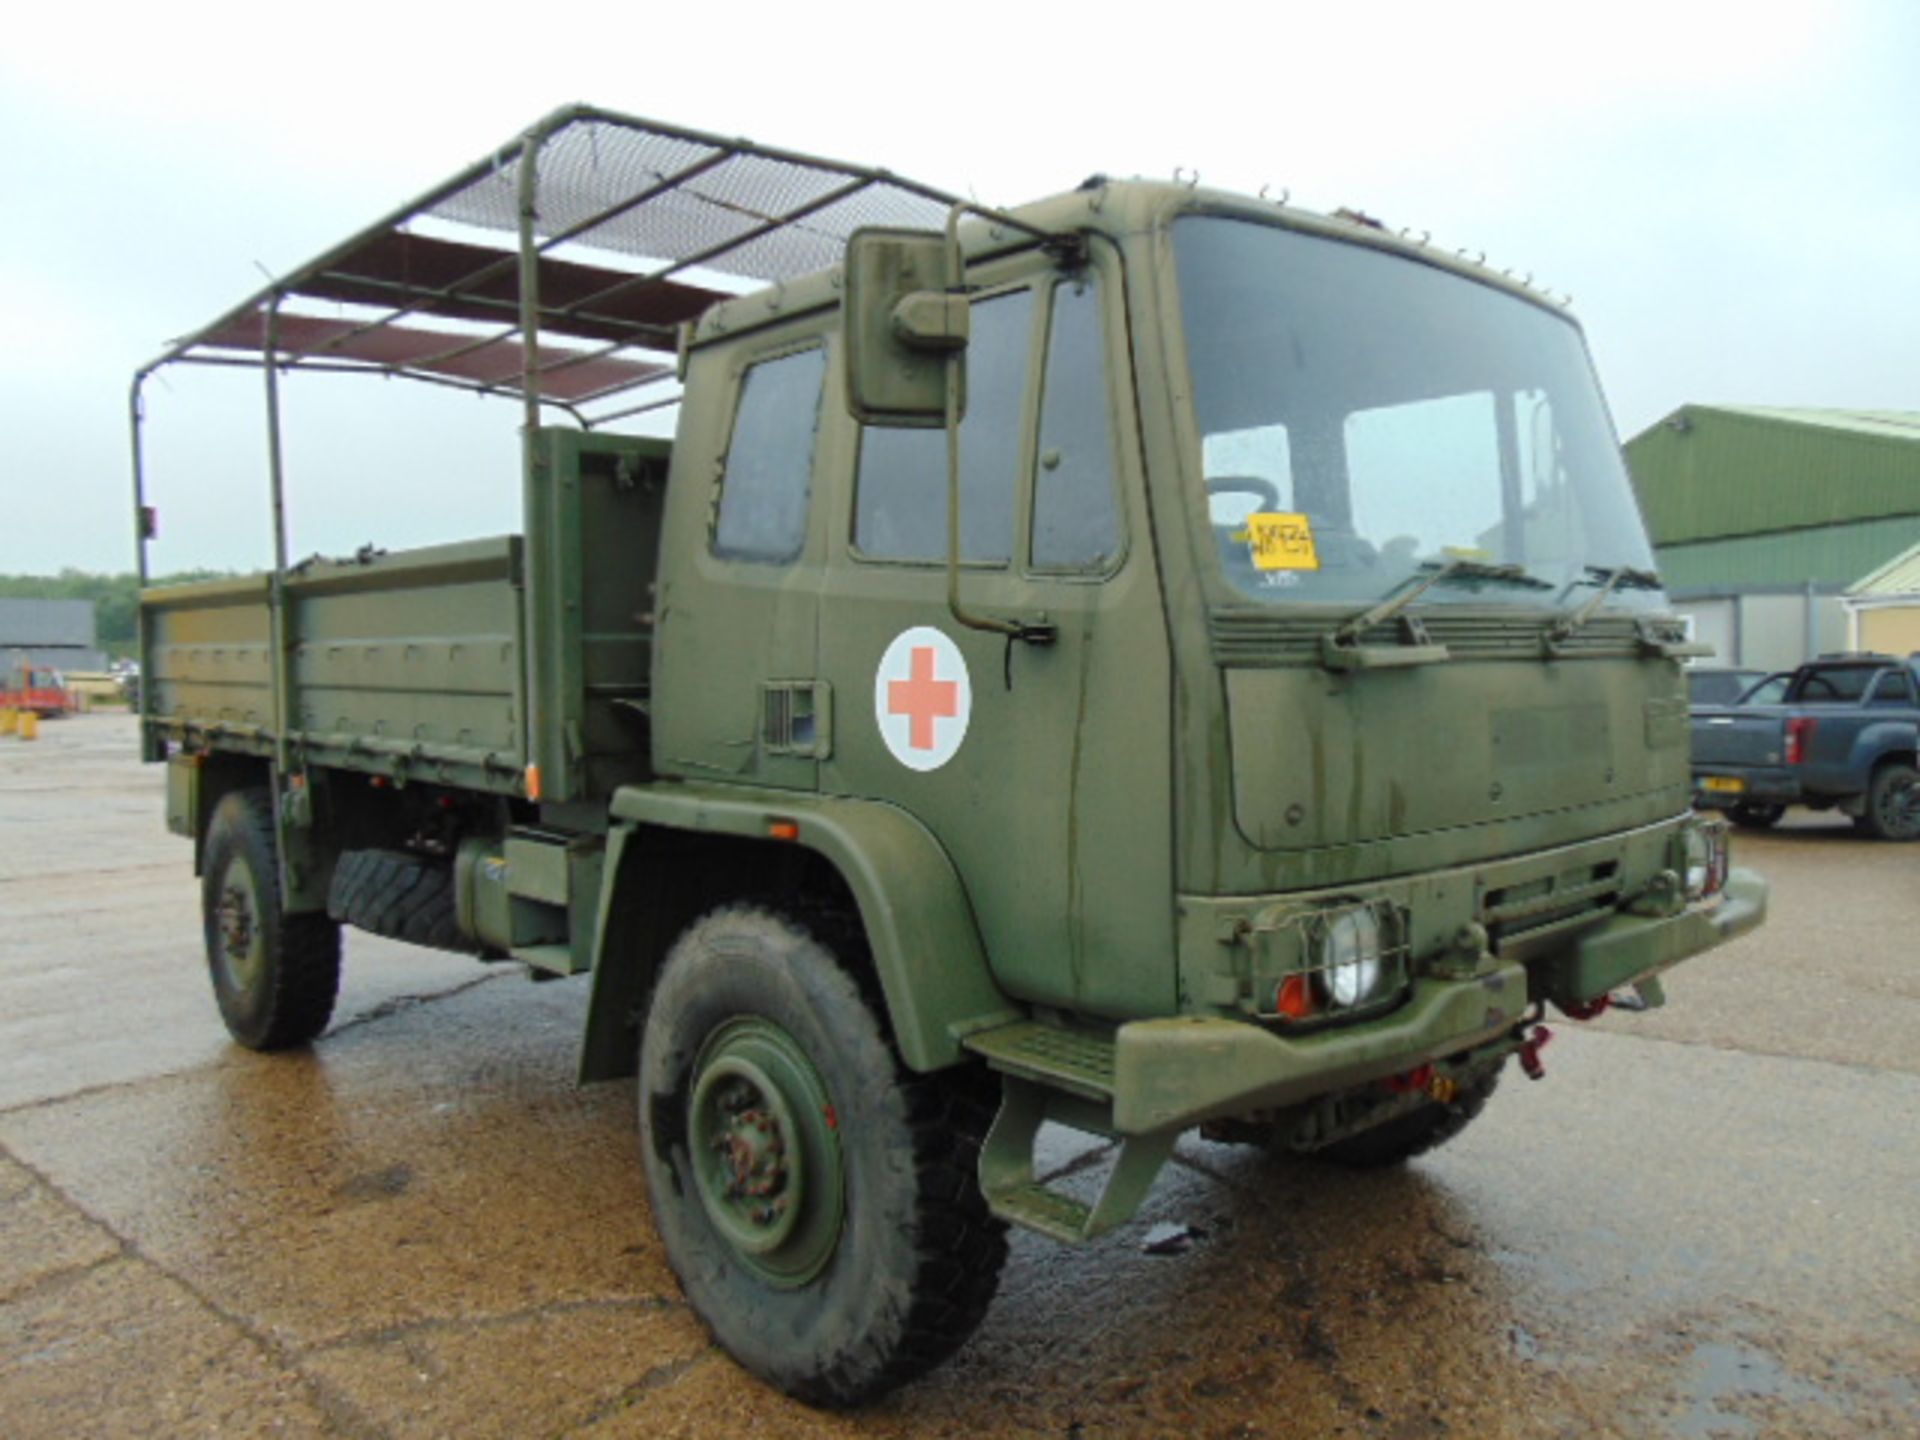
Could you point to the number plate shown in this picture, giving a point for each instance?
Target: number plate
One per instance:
(1723, 784)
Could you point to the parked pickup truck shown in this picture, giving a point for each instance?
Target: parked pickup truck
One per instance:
(1845, 735)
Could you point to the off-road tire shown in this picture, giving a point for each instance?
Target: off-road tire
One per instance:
(394, 892)
(1756, 816)
(1414, 1133)
(1893, 804)
(906, 1273)
(274, 975)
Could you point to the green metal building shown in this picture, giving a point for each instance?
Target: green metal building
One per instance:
(1763, 519)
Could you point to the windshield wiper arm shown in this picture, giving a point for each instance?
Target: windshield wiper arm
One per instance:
(1610, 578)
(1349, 631)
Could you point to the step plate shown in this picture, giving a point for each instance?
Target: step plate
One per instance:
(1067, 1059)
(1035, 1207)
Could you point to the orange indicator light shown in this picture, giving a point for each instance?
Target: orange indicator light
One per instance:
(1294, 999)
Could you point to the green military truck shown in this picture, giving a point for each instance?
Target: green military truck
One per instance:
(1148, 660)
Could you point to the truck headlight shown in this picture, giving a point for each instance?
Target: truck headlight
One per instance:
(1706, 858)
(1350, 959)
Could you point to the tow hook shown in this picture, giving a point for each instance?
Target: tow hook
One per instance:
(1530, 1049)
(1585, 1009)
(1423, 1080)
(1415, 1079)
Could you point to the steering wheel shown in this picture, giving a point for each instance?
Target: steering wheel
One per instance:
(1264, 490)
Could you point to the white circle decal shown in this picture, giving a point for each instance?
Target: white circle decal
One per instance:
(922, 698)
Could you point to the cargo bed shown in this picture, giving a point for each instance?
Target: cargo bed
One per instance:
(512, 665)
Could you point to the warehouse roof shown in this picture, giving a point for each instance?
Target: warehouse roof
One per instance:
(1832, 557)
(1887, 424)
(1899, 576)
(25, 622)
(1813, 485)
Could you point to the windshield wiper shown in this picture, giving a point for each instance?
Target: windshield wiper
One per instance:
(1341, 649)
(1412, 588)
(1609, 578)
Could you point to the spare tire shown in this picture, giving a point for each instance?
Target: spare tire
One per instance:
(400, 894)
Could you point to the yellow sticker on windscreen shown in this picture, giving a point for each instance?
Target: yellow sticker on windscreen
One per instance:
(1280, 541)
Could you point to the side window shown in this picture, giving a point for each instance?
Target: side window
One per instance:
(1075, 525)
(1895, 689)
(900, 504)
(769, 465)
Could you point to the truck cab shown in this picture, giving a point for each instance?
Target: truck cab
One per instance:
(1214, 456)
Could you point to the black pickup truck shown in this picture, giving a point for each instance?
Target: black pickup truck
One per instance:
(1846, 735)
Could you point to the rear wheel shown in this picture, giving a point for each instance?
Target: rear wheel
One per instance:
(818, 1202)
(274, 975)
(1893, 803)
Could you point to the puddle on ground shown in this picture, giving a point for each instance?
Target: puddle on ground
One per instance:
(1719, 1377)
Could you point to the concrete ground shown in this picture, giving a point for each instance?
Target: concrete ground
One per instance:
(1704, 1223)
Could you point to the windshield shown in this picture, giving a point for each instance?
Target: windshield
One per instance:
(1364, 419)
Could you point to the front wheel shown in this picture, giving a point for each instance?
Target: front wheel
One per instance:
(1893, 803)
(274, 975)
(818, 1202)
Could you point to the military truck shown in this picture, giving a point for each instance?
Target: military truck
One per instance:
(1150, 659)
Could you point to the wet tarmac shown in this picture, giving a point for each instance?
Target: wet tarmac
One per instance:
(1704, 1223)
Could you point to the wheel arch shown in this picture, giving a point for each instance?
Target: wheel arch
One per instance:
(1904, 754)
(1872, 817)
(218, 774)
(1891, 742)
(673, 855)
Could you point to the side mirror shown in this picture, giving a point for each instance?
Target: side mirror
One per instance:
(904, 328)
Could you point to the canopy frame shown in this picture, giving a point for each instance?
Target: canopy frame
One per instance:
(676, 220)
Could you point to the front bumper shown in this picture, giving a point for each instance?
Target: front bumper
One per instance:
(1629, 948)
(1176, 1072)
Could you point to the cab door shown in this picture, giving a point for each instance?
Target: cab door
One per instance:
(1044, 770)
(736, 679)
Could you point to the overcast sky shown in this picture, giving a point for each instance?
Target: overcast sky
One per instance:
(1730, 193)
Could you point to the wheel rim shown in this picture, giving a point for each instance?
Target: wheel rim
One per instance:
(765, 1145)
(238, 942)
(1900, 808)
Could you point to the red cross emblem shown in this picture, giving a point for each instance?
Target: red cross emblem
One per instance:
(923, 699)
